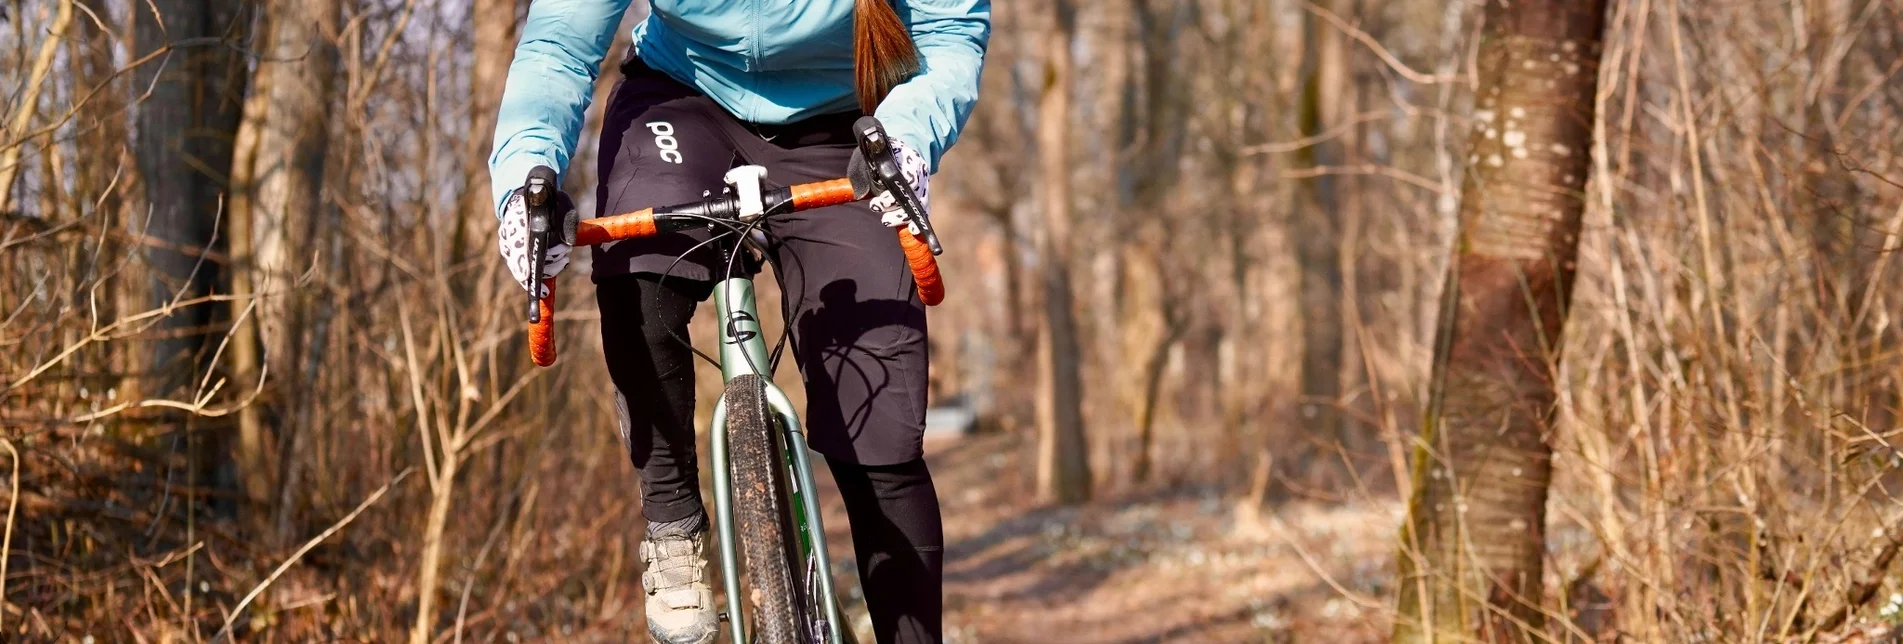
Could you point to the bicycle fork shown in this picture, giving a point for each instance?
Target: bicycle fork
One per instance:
(743, 352)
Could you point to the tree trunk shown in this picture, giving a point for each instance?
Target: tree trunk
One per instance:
(101, 175)
(1011, 254)
(1152, 389)
(1318, 239)
(277, 183)
(1470, 561)
(252, 455)
(1063, 472)
(185, 127)
(101, 119)
(289, 162)
(495, 36)
(495, 29)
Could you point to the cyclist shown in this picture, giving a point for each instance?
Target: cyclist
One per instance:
(707, 86)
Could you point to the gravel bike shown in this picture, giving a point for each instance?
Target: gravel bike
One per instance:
(763, 477)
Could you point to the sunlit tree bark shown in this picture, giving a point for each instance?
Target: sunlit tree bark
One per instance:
(1472, 546)
(494, 23)
(279, 176)
(1063, 473)
(18, 124)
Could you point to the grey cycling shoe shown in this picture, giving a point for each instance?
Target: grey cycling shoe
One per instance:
(680, 605)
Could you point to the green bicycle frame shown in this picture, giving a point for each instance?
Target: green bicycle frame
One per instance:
(743, 352)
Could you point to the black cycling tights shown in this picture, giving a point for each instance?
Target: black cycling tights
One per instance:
(900, 546)
(896, 530)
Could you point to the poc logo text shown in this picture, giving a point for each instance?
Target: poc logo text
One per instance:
(664, 139)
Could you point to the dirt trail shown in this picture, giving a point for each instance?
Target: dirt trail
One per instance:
(1160, 567)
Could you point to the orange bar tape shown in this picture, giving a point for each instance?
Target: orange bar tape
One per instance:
(606, 229)
(807, 196)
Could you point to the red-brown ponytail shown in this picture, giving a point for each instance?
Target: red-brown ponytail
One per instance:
(883, 54)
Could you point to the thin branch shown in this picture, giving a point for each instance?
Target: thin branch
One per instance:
(1284, 147)
(383, 55)
(141, 61)
(1370, 169)
(1375, 46)
(106, 332)
(29, 104)
(412, 369)
(224, 634)
(6, 545)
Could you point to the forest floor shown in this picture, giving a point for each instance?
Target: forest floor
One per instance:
(1158, 566)
(1166, 563)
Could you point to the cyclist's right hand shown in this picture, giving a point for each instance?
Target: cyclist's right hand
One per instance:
(512, 239)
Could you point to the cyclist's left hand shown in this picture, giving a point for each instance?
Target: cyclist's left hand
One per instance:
(512, 238)
(913, 165)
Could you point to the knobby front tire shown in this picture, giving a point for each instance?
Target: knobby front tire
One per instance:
(761, 503)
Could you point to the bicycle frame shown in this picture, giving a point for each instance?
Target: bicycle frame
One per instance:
(742, 350)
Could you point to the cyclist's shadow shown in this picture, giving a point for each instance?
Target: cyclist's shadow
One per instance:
(871, 354)
(864, 363)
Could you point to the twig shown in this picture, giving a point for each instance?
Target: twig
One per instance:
(42, 231)
(162, 52)
(107, 331)
(6, 543)
(1375, 46)
(383, 54)
(225, 632)
(309, 601)
(1283, 147)
(196, 408)
(1850, 108)
(1368, 168)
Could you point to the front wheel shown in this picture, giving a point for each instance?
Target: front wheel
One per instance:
(761, 503)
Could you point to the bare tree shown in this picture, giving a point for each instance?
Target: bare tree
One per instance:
(280, 175)
(194, 87)
(251, 455)
(1472, 546)
(1318, 246)
(1063, 472)
(100, 120)
(1153, 314)
(185, 129)
(495, 36)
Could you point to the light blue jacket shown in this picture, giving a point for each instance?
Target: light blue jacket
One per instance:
(766, 61)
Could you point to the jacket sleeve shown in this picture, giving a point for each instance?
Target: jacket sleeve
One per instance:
(928, 110)
(550, 83)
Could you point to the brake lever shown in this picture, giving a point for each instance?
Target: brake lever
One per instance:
(876, 147)
(537, 192)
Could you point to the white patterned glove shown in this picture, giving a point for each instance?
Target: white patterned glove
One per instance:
(512, 238)
(913, 165)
